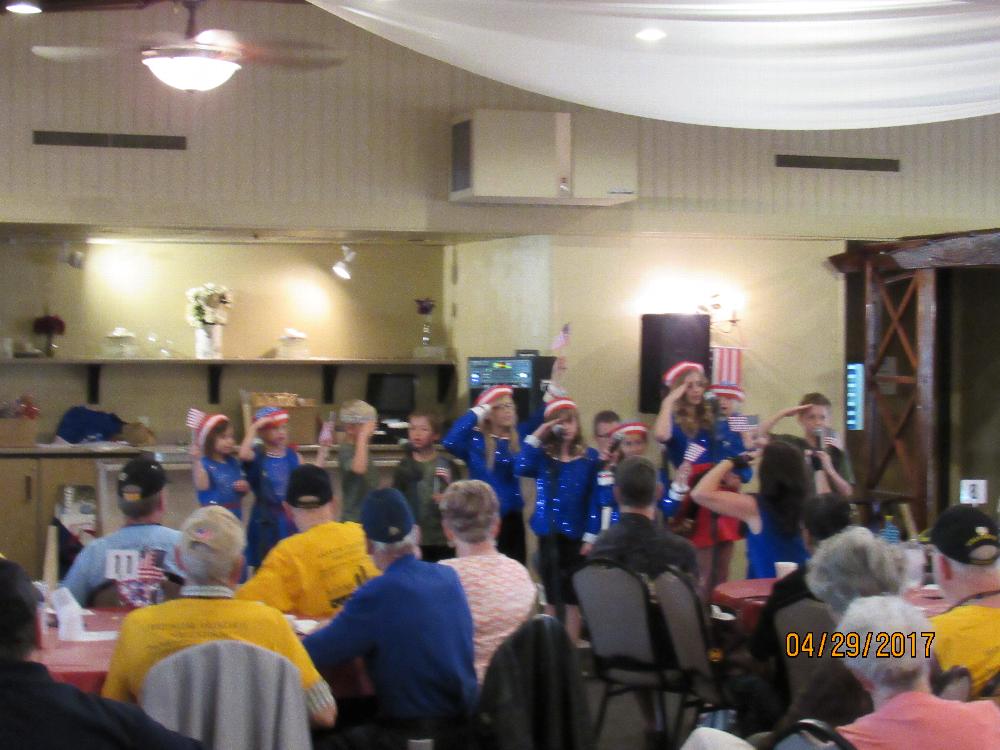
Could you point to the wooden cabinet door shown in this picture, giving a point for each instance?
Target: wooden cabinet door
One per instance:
(19, 501)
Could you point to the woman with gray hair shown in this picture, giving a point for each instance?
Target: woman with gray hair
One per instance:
(888, 647)
(499, 590)
(853, 564)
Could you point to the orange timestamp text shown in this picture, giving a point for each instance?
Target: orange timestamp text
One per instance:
(883, 645)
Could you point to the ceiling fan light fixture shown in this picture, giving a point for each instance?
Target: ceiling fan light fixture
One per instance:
(190, 72)
(24, 7)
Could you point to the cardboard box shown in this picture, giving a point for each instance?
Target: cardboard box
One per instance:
(303, 414)
(18, 433)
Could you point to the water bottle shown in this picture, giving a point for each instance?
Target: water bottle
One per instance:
(890, 531)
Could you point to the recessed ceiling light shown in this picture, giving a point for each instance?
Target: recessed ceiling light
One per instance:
(651, 35)
(24, 7)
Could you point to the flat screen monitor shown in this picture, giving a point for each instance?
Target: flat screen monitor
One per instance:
(488, 371)
(392, 394)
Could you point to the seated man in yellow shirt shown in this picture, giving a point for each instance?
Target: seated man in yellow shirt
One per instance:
(211, 555)
(312, 573)
(967, 568)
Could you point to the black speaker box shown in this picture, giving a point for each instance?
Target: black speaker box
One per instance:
(666, 340)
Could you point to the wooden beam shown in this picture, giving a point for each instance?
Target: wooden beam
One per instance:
(926, 421)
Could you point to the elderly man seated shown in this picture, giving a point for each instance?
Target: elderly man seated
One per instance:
(967, 568)
(906, 714)
(211, 554)
(39, 713)
(142, 500)
(413, 626)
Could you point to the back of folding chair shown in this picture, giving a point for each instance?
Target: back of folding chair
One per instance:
(810, 734)
(807, 616)
(614, 602)
(688, 628)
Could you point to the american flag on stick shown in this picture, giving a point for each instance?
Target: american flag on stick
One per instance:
(561, 340)
(739, 423)
(694, 452)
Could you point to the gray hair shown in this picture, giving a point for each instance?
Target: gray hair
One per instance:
(895, 660)
(852, 564)
(405, 546)
(469, 508)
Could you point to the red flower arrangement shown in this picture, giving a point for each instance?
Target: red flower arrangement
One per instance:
(50, 325)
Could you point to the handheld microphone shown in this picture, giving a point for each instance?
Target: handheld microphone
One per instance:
(819, 433)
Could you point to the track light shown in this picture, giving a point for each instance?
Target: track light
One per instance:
(341, 267)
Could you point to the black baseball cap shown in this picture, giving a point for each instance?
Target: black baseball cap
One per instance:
(308, 487)
(386, 516)
(966, 535)
(139, 481)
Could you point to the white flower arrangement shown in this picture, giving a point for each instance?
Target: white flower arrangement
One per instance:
(206, 305)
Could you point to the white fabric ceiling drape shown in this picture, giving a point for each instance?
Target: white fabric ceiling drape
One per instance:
(775, 64)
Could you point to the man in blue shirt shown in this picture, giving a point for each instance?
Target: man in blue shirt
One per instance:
(141, 498)
(413, 627)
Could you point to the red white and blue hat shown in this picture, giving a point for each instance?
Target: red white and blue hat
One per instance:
(203, 423)
(275, 417)
(494, 393)
(728, 390)
(681, 368)
(560, 404)
(630, 428)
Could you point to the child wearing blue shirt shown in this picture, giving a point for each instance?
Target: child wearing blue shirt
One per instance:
(218, 476)
(565, 473)
(268, 467)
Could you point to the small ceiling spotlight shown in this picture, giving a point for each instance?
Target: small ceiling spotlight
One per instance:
(341, 267)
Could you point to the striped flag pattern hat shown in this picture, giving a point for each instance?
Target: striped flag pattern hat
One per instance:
(202, 424)
(493, 393)
(629, 428)
(558, 405)
(728, 390)
(694, 452)
(275, 416)
(681, 368)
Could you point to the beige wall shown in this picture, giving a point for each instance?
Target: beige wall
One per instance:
(365, 146)
(141, 287)
(791, 322)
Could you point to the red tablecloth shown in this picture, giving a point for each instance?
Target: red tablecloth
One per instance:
(746, 599)
(85, 663)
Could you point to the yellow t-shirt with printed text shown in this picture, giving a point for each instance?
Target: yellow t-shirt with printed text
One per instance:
(313, 573)
(969, 636)
(151, 634)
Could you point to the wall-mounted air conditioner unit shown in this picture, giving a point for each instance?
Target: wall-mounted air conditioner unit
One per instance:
(546, 158)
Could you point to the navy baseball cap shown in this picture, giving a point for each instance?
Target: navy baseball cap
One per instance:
(386, 516)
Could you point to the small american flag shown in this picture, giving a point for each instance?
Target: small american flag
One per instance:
(195, 418)
(694, 452)
(561, 340)
(739, 423)
(727, 364)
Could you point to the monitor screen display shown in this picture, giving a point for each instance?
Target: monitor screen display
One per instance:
(488, 371)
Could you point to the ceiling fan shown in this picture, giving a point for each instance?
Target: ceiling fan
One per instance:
(202, 60)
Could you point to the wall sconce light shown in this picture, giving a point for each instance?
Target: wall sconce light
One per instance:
(341, 267)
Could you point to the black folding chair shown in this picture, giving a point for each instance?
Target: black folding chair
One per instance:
(616, 605)
(811, 734)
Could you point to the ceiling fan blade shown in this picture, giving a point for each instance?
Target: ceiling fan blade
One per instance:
(73, 54)
(292, 55)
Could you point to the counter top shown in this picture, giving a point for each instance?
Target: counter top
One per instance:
(92, 450)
